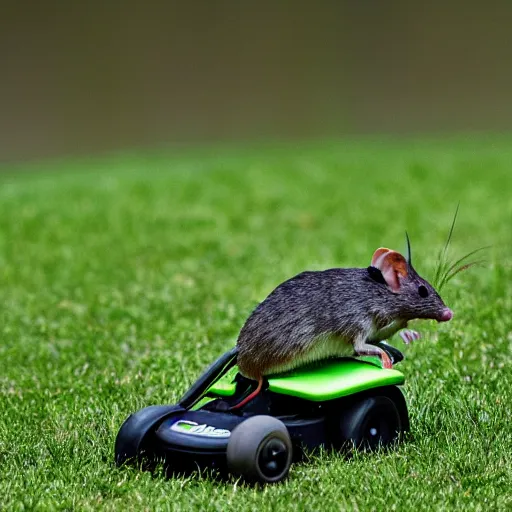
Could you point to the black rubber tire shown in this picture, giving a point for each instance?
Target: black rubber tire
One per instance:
(260, 450)
(370, 423)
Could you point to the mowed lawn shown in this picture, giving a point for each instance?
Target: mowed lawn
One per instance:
(121, 278)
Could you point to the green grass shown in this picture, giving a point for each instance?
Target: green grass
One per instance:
(122, 277)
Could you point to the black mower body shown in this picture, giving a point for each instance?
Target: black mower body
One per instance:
(191, 434)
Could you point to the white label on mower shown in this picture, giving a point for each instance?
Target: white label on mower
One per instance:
(195, 429)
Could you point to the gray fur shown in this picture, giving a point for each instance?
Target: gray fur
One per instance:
(315, 315)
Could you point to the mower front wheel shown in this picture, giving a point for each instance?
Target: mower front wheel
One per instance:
(260, 450)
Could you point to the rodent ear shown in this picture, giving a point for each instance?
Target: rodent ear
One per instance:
(377, 255)
(392, 265)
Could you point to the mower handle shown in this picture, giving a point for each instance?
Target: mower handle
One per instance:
(218, 368)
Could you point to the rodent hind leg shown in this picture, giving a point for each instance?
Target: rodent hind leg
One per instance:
(248, 398)
(365, 349)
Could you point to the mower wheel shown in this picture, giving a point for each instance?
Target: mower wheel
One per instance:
(260, 450)
(371, 423)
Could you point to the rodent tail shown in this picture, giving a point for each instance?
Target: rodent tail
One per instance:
(248, 398)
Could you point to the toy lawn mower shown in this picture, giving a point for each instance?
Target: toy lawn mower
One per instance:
(335, 404)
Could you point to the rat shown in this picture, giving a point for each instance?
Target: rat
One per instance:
(334, 313)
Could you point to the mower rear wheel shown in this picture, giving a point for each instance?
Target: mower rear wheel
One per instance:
(371, 423)
(260, 450)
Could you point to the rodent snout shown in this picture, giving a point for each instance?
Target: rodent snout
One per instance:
(446, 315)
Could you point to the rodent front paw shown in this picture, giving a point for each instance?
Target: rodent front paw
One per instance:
(409, 335)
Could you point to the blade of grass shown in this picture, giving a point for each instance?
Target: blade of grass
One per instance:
(441, 262)
(460, 269)
(458, 262)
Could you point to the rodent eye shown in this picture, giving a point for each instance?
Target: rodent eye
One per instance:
(422, 290)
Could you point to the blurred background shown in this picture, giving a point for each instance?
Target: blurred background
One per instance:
(91, 77)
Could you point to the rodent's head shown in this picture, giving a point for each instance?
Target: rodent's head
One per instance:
(415, 297)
